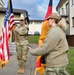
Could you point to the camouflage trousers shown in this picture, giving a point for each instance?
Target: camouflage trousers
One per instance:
(21, 54)
(56, 71)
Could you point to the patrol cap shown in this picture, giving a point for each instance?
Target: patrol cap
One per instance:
(54, 16)
(22, 17)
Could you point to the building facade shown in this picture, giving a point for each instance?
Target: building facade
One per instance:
(66, 9)
(35, 26)
(1, 3)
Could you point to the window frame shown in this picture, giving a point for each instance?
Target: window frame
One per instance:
(67, 9)
(72, 21)
(72, 2)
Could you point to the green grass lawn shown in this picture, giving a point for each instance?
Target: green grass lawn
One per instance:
(33, 39)
(70, 67)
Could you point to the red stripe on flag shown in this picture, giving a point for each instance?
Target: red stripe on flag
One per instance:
(11, 21)
(49, 11)
(3, 57)
(5, 48)
(38, 63)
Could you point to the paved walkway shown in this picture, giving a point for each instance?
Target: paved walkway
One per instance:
(12, 67)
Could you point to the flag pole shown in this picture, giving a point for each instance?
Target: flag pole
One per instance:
(35, 72)
(8, 4)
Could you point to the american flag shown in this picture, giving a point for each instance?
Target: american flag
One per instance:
(6, 29)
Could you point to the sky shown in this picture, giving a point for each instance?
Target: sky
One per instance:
(36, 8)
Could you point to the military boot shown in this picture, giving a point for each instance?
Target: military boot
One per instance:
(22, 70)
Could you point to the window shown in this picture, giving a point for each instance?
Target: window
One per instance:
(62, 11)
(72, 2)
(67, 9)
(58, 10)
(73, 21)
(38, 22)
(31, 22)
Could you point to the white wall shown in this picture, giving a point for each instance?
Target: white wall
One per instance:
(64, 8)
(71, 15)
(35, 27)
(1, 3)
(1, 22)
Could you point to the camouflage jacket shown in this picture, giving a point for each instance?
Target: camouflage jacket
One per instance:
(21, 35)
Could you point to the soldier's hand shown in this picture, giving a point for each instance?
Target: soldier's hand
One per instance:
(15, 30)
(29, 47)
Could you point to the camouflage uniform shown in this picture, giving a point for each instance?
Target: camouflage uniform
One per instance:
(56, 71)
(21, 40)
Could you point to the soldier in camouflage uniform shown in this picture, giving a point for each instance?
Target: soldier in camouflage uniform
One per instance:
(21, 41)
